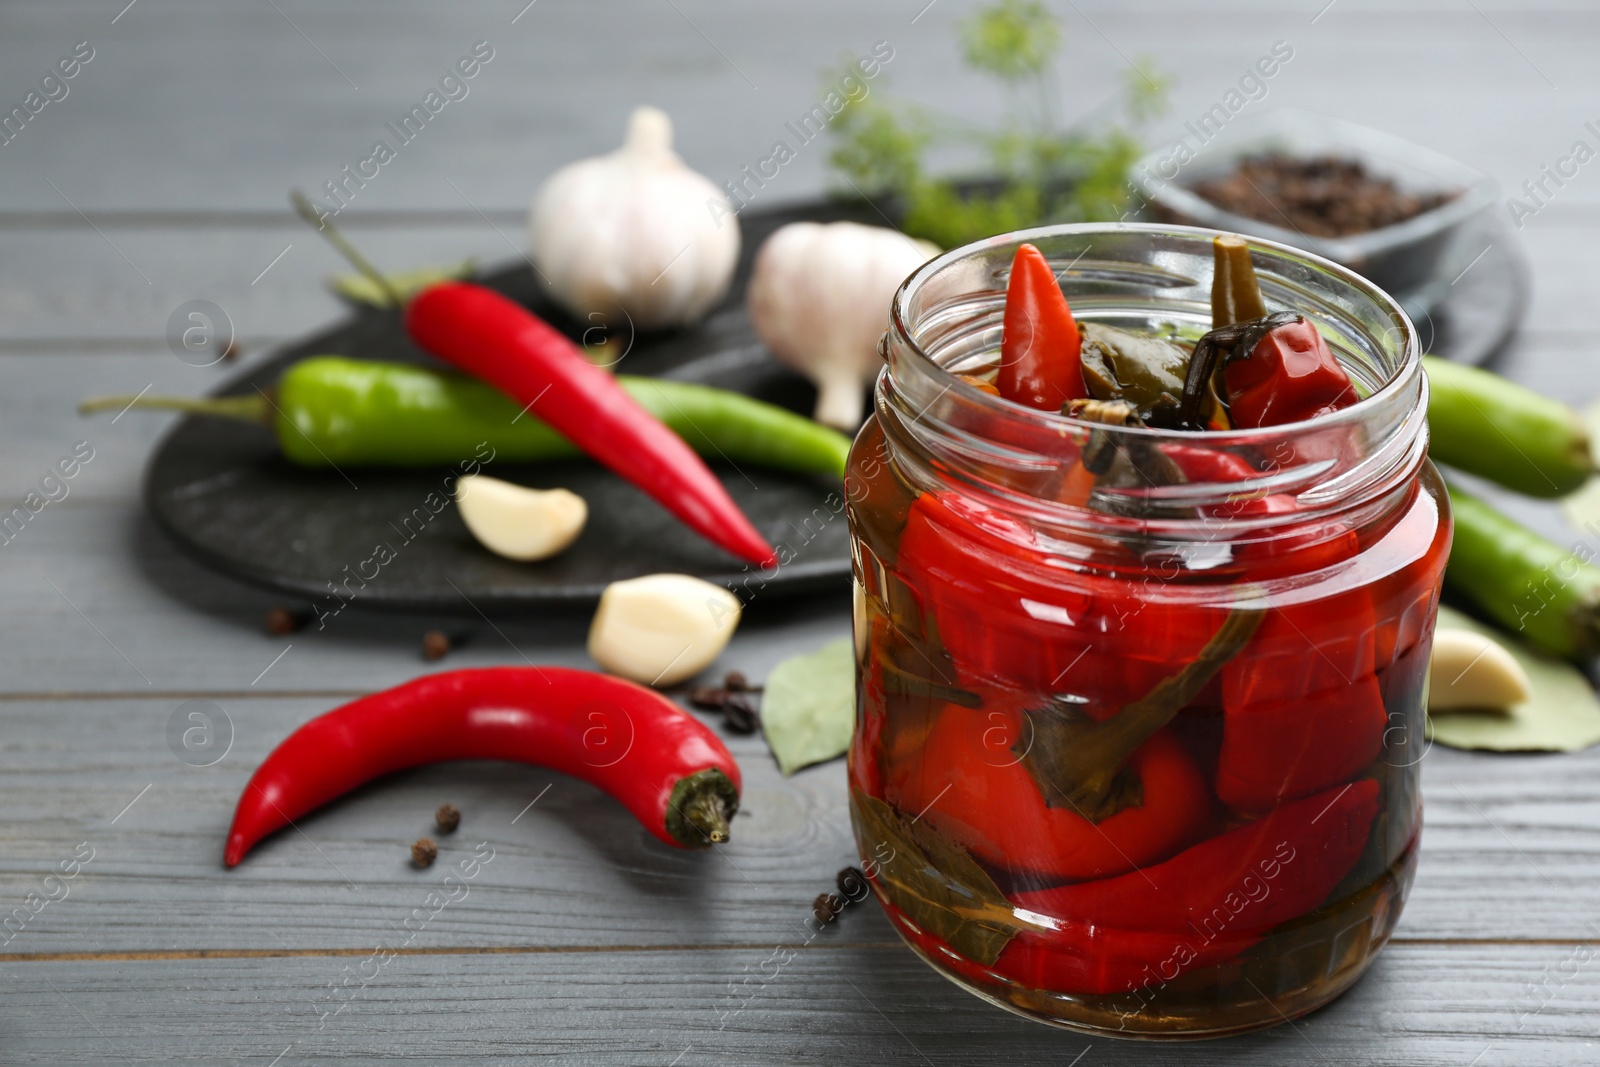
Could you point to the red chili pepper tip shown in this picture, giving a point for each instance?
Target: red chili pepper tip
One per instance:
(1041, 350)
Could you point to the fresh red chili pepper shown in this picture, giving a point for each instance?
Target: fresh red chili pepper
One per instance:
(1290, 375)
(1203, 907)
(664, 765)
(500, 341)
(1041, 351)
(506, 345)
(970, 783)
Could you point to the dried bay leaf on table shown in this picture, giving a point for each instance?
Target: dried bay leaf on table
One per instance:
(1563, 715)
(808, 711)
(933, 880)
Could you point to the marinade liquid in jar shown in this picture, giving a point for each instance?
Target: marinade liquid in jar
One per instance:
(1140, 756)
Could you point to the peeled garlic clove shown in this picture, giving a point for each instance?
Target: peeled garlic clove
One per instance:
(1470, 670)
(662, 628)
(520, 523)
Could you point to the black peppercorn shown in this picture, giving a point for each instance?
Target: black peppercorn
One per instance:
(708, 697)
(281, 621)
(448, 817)
(424, 852)
(852, 884)
(435, 644)
(739, 715)
(826, 907)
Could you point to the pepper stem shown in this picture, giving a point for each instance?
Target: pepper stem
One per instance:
(1584, 618)
(240, 408)
(1235, 292)
(700, 807)
(308, 211)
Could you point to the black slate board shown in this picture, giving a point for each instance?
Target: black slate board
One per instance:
(223, 493)
(1483, 302)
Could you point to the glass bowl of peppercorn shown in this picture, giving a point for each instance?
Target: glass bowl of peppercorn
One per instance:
(1400, 214)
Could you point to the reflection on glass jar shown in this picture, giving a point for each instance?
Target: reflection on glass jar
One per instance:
(1138, 749)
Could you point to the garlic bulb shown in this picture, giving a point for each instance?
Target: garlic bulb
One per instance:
(635, 235)
(819, 299)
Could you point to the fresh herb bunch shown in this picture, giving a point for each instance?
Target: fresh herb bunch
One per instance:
(1041, 171)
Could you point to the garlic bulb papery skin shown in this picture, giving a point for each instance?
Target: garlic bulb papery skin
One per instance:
(819, 299)
(635, 236)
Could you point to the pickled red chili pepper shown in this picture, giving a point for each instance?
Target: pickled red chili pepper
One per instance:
(1040, 350)
(1289, 376)
(1005, 614)
(1200, 464)
(1301, 702)
(1203, 907)
(1303, 708)
(663, 764)
(971, 782)
(1255, 369)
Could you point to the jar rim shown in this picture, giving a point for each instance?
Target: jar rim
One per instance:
(1402, 380)
(949, 313)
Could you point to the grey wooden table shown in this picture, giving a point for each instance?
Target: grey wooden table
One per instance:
(160, 178)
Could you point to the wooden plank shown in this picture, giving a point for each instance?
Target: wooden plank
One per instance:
(1420, 1006)
(744, 71)
(80, 285)
(96, 553)
(113, 606)
(201, 155)
(575, 870)
(64, 291)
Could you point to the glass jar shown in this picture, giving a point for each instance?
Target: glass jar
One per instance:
(1140, 712)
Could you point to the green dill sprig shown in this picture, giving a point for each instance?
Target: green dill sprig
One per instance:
(1039, 171)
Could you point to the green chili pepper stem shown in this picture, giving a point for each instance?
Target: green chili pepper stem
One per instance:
(1494, 428)
(241, 408)
(699, 808)
(306, 210)
(1534, 587)
(1235, 293)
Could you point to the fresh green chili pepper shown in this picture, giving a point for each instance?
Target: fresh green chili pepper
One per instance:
(1534, 587)
(1484, 424)
(328, 410)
